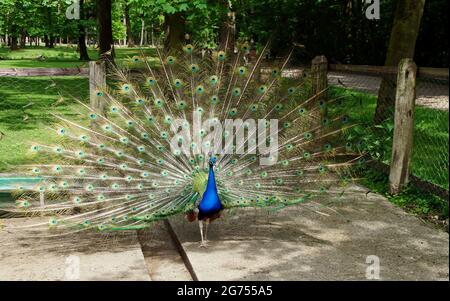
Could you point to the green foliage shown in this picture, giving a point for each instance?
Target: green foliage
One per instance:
(337, 29)
(411, 198)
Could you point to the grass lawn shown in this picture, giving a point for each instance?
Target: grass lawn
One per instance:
(25, 104)
(58, 57)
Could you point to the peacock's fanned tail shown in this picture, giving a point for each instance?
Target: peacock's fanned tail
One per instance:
(116, 169)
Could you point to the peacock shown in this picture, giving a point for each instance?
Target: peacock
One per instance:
(190, 132)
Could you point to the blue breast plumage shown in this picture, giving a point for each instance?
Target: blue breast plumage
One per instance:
(210, 203)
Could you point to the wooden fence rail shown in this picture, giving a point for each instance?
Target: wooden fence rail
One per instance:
(44, 71)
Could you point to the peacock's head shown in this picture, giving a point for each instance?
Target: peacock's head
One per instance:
(212, 161)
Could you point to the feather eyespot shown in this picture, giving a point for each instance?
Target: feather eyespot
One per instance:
(221, 56)
(170, 60)
(194, 68)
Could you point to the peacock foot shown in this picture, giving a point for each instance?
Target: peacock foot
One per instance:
(204, 244)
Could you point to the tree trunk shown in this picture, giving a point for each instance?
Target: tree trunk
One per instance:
(49, 39)
(175, 30)
(152, 36)
(84, 56)
(130, 40)
(23, 39)
(402, 44)
(105, 39)
(14, 45)
(227, 29)
(142, 31)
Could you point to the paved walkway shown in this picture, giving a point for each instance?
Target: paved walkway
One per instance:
(309, 242)
(315, 243)
(430, 93)
(81, 256)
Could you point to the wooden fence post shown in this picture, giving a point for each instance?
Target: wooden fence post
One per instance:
(319, 69)
(97, 82)
(404, 125)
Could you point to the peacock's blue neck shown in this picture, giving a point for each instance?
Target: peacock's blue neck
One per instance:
(210, 202)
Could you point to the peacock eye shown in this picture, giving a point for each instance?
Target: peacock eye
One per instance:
(194, 68)
(213, 80)
(189, 48)
(221, 56)
(214, 99)
(170, 60)
(200, 89)
(126, 87)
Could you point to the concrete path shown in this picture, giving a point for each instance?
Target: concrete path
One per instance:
(162, 256)
(312, 242)
(309, 242)
(81, 256)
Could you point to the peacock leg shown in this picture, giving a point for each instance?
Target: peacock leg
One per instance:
(206, 230)
(203, 244)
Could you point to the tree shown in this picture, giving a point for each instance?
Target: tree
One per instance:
(49, 38)
(130, 40)
(227, 26)
(402, 44)
(105, 36)
(175, 30)
(84, 56)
